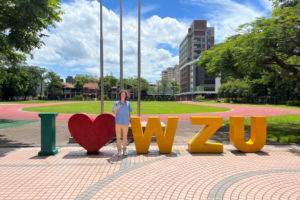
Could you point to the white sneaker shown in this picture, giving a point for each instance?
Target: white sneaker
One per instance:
(119, 153)
(125, 153)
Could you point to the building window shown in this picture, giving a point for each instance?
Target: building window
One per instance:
(209, 89)
(211, 81)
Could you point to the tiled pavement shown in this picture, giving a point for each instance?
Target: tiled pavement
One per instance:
(273, 173)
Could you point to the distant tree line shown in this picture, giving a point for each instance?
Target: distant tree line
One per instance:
(21, 82)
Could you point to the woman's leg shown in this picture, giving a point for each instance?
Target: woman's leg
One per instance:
(125, 132)
(118, 136)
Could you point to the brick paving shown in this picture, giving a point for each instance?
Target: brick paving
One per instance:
(273, 173)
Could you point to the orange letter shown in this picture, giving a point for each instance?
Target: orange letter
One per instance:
(258, 133)
(164, 140)
(198, 143)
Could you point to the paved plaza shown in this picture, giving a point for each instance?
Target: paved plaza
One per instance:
(273, 173)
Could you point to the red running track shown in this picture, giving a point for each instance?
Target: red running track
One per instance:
(13, 111)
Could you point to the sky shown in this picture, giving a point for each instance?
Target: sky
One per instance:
(73, 47)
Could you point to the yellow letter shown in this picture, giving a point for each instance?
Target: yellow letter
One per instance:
(164, 140)
(198, 143)
(258, 133)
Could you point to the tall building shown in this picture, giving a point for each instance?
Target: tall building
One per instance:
(176, 71)
(168, 74)
(194, 80)
(70, 80)
(171, 74)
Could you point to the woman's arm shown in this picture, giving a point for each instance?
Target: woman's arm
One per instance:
(116, 109)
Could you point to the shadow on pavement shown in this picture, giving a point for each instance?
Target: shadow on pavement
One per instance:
(4, 142)
(5, 151)
(9, 123)
(39, 157)
(240, 153)
(295, 151)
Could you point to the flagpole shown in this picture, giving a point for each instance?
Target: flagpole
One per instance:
(101, 59)
(139, 60)
(121, 47)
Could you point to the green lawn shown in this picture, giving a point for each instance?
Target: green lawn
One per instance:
(282, 129)
(205, 101)
(30, 102)
(256, 105)
(147, 107)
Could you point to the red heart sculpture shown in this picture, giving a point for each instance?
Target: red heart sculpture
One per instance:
(92, 134)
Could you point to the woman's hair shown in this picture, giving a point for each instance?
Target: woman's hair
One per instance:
(126, 97)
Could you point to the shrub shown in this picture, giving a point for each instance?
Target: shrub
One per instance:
(293, 103)
(42, 97)
(218, 100)
(171, 98)
(234, 90)
(159, 98)
(78, 98)
(105, 97)
(200, 98)
(149, 98)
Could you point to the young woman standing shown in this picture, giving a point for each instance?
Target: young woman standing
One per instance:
(122, 111)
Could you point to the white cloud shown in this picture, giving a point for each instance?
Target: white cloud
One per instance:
(227, 15)
(267, 4)
(75, 42)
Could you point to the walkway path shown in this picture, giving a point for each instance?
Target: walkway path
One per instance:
(273, 173)
(14, 112)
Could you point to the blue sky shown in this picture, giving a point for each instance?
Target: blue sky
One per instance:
(178, 9)
(73, 47)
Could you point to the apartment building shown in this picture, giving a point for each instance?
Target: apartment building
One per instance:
(194, 80)
(168, 74)
(171, 73)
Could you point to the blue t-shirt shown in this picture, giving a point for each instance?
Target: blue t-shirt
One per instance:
(122, 115)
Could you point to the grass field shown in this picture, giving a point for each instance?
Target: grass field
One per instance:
(256, 105)
(282, 129)
(205, 101)
(30, 102)
(147, 107)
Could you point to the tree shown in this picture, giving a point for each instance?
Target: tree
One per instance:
(54, 86)
(3, 75)
(43, 76)
(35, 79)
(109, 82)
(266, 45)
(22, 23)
(284, 3)
(132, 84)
(19, 81)
(163, 86)
(234, 90)
(174, 87)
(80, 80)
(220, 61)
(16, 83)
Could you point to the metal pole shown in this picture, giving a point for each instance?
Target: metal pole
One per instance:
(139, 60)
(101, 59)
(121, 48)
